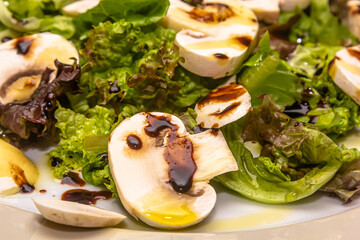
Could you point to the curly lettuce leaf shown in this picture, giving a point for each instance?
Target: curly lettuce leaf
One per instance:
(296, 159)
(96, 171)
(137, 66)
(74, 128)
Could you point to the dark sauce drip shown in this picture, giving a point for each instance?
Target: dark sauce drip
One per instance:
(307, 94)
(6, 39)
(157, 124)
(85, 196)
(27, 188)
(72, 179)
(42, 191)
(214, 131)
(354, 53)
(246, 41)
(114, 88)
(134, 142)
(55, 161)
(227, 110)
(178, 153)
(297, 110)
(19, 178)
(199, 129)
(223, 94)
(221, 56)
(23, 45)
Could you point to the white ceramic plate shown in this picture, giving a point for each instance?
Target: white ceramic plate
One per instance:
(233, 216)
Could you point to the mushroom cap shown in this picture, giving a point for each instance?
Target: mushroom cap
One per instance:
(149, 152)
(23, 60)
(223, 105)
(77, 214)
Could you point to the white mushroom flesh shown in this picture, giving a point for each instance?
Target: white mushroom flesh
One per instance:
(222, 106)
(215, 39)
(161, 172)
(77, 214)
(345, 71)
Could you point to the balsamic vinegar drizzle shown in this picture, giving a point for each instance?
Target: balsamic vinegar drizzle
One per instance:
(85, 196)
(178, 154)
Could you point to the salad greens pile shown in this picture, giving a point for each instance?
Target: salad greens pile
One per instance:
(129, 64)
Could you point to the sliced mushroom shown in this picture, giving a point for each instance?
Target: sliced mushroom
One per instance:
(222, 106)
(345, 71)
(76, 8)
(161, 172)
(352, 20)
(291, 5)
(265, 10)
(23, 60)
(77, 214)
(213, 39)
(17, 172)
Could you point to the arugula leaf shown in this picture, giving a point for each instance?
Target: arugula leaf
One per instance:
(295, 161)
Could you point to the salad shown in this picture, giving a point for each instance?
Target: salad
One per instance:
(273, 88)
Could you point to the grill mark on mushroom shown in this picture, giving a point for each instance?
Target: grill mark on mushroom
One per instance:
(23, 45)
(219, 13)
(15, 77)
(245, 40)
(354, 53)
(223, 94)
(221, 56)
(227, 110)
(178, 152)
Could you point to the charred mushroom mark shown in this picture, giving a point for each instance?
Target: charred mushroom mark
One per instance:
(226, 111)
(223, 94)
(354, 53)
(245, 40)
(222, 12)
(23, 45)
(178, 153)
(221, 56)
(19, 178)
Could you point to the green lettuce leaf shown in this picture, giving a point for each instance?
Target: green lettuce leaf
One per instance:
(266, 73)
(137, 12)
(295, 161)
(96, 171)
(26, 17)
(320, 26)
